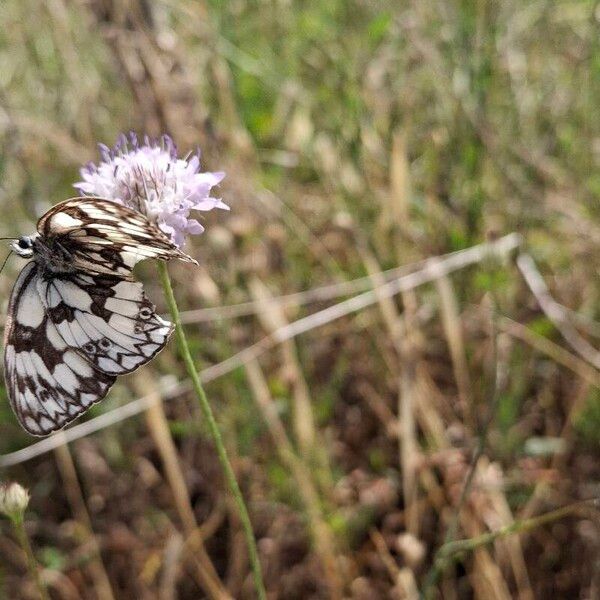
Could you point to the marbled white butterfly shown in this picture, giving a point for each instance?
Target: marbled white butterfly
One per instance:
(76, 318)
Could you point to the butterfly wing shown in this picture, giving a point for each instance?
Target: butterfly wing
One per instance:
(76, 324)
(103, 236)
(109, 321)
(48, 383)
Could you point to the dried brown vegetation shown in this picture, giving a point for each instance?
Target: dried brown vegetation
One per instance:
(357, 137)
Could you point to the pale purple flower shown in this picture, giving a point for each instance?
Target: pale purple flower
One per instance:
(150, 178)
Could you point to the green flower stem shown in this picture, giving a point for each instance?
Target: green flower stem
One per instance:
(32, 565)
(456, 548)
(214, 430)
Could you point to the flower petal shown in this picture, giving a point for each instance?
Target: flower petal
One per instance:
(151, 178)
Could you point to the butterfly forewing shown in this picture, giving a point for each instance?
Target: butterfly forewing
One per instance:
(102, 236)
(49, 384)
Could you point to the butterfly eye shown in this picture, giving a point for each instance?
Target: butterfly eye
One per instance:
(24, 243)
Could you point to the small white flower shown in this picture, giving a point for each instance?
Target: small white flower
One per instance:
(150, 178)
(13, 500)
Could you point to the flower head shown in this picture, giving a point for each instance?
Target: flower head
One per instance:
(150, 178)
(13, 500)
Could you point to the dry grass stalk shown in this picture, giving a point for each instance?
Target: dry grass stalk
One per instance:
(430, 419)
(411, 368)
(277, 208)
(35, 128)
(404, 330)
(273, 318)
(322, 535)
(408, 445)
(403, 577)
(554, 351)
(71, 65)
(171, 567)
(380, 409)
(512, 545)
(161, 435)
(433, 426)
(237, 569)
(486, 578)
(402, 337)
(400, 185)
(454, 335)
(555, 312)
(74, 494)
(500, 344)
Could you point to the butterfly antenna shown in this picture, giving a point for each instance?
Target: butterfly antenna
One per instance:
(5, 261)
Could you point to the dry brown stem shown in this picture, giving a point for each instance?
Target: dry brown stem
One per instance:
(66, 466)
(321, 532)
(159, 430)
(555, 312)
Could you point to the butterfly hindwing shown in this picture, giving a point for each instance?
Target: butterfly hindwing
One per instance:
(107, 320)
(103, 236)
(49, 384)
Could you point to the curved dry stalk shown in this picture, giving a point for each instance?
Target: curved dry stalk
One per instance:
(555, 311)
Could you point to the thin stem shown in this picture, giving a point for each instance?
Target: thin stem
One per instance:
(32, 565)
(214, 430)
(454, 549)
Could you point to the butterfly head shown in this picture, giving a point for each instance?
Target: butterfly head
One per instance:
(23, 246)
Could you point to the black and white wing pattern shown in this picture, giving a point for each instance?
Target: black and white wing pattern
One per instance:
(76, 318)
(49, 384)
(102, 236)
(105, 319)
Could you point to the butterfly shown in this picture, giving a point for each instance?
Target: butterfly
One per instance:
(76, 317)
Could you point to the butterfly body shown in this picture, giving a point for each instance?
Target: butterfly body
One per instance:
(76, 317)
(50, 256)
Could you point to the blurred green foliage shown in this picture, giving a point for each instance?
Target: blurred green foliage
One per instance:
(587, 422)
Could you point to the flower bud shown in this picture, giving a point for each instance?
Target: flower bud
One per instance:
(14, 499)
